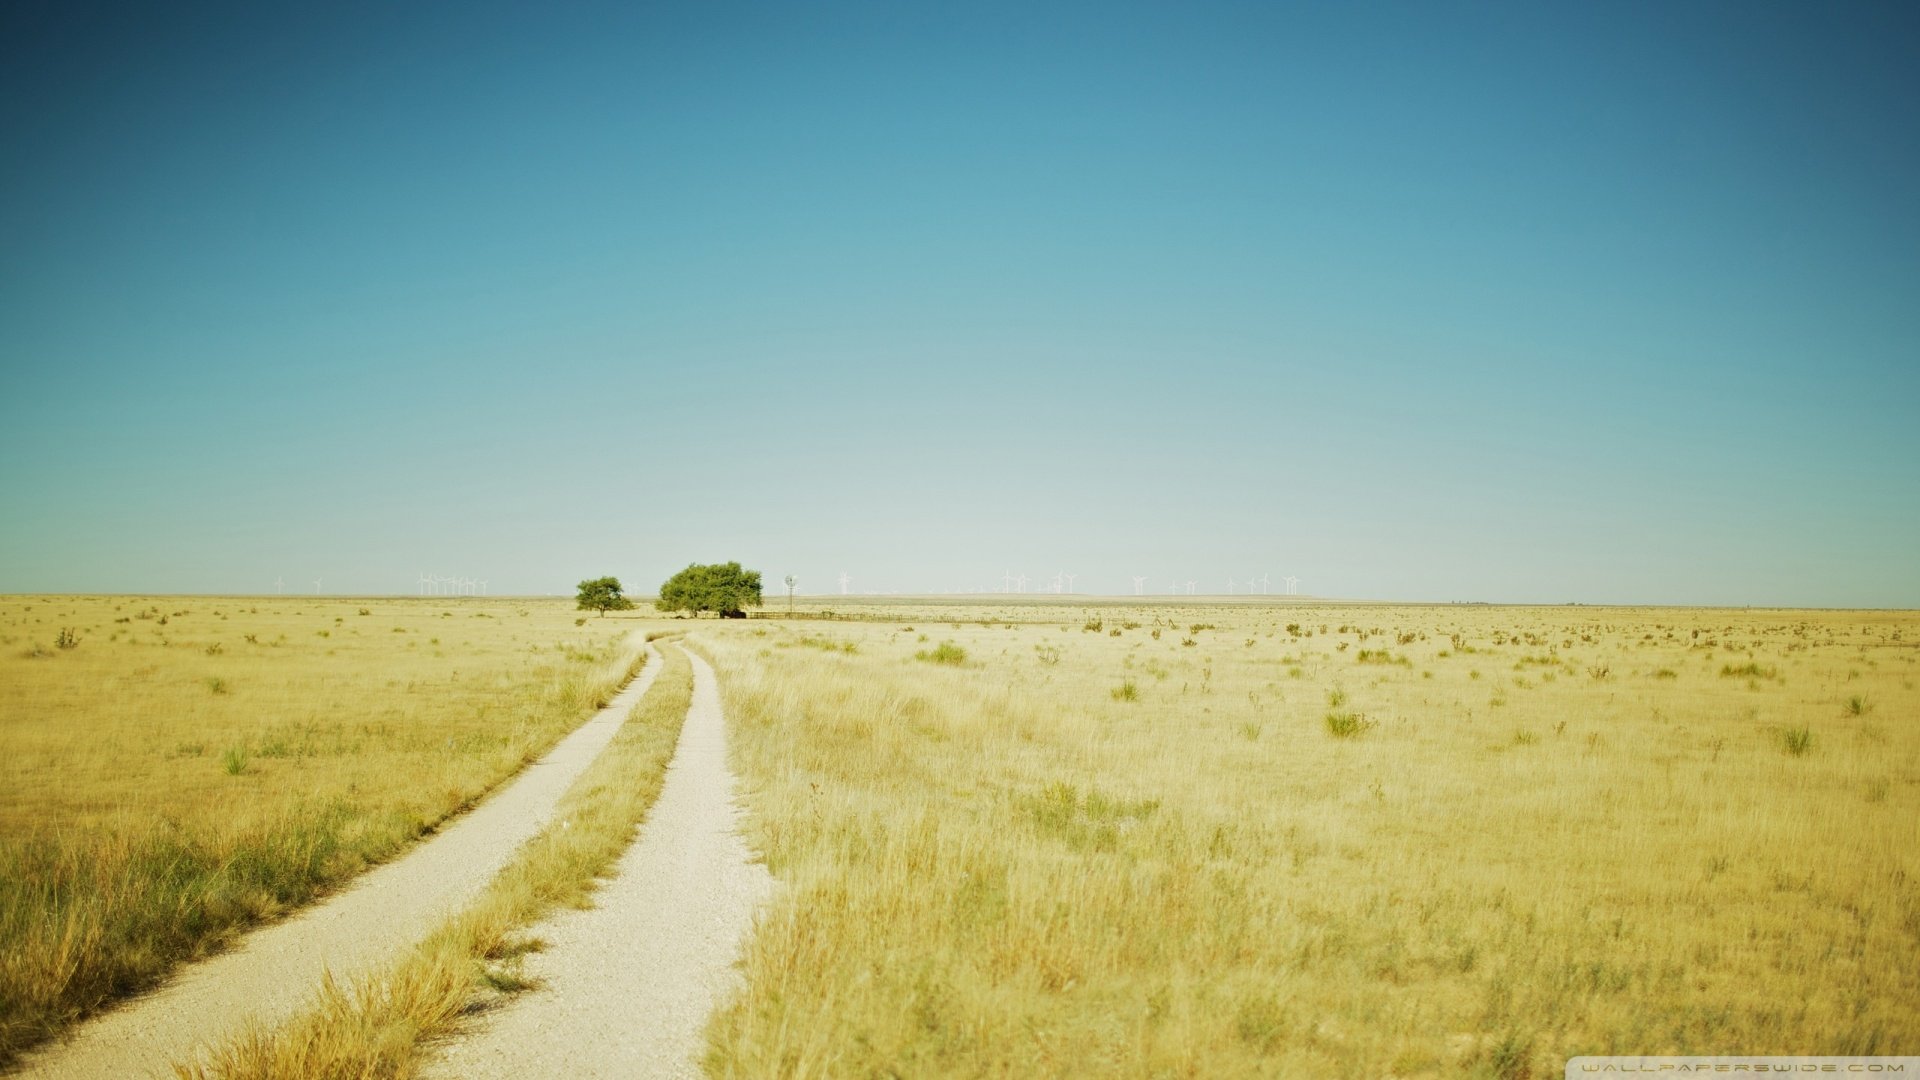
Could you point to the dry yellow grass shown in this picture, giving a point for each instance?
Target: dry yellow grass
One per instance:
(1544, 832)
(381, 1027)
(194, 765)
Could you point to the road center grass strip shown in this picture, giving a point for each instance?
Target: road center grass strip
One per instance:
(380, 1025)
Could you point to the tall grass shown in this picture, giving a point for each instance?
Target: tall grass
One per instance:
(128, 845)
(1005, 874)
(381, 1025)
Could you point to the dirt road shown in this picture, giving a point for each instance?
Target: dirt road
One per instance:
(275, 970)
(628, 985)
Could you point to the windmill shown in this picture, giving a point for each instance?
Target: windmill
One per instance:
(1006, 581)
(483, 586)
(1139, 586)
(1056, 586)
(1230, 587)
(1020, 583)
(845, 580)
(1266, 580)
(316, 586)
(1293, 585)
(1070, 580)
(279, 585)
(791, 582)
(422, 582)
(1190, 586)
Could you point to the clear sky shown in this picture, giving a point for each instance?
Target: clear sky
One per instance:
(1528, 302)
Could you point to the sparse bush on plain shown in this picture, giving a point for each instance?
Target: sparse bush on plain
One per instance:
(1797, 741)
(1126, 691)
(944, 653)
(1346, 725)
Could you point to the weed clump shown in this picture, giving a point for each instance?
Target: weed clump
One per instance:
(1348, 725)
(1797, 741)
(944, 653)
(1126, 691)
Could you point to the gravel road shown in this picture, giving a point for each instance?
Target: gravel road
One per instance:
(274, 971)
(628, 984)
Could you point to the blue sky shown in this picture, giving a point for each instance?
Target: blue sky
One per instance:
(1495, 302)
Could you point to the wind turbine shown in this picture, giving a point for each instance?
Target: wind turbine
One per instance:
(844, 581)
(483, 587)
(316, 586)
(1190, 586)
(1139, 586)
(279, 585)
(1230, 587)
(1056, 588)
(1020, 582)
(791, 582)
(1070, 580)
(1293, 585)
(1006, 581)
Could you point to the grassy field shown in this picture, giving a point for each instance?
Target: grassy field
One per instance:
(173, 770)
(1243, 840)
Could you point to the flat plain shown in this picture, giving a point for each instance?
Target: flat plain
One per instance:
(1260, 839)
(174, 770)
(1052, 838)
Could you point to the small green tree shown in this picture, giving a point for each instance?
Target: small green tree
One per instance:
(603, 595)
(722, 587)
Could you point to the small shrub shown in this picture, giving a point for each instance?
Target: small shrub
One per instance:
(1858, 705)
(1093, 626)
(233, 760)
(1336, 697)
(1126, 691)
(1347, 725)
(216, 684)
(1746, 671)
(1797, 741)
(366, 611)
(944, 653)
(215, 649)
(67, 639)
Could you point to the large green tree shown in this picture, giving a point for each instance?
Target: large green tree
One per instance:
(722, 587)
(603, 595)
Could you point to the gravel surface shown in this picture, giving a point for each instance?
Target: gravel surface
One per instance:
(627, 985)
(275, 970)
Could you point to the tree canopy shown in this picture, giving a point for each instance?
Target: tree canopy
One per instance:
(722, 587)
(603, 595)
